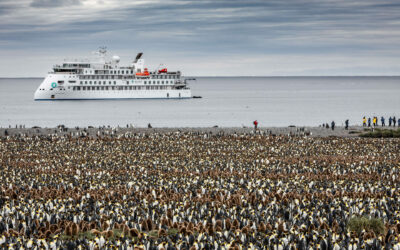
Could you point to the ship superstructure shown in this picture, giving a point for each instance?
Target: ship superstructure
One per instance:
(106, 79)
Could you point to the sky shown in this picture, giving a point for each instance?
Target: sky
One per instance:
(206, 38)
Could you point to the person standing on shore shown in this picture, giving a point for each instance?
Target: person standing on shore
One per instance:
(394, 121)
(333, 125)
(255, 125)
(390, 121)
(347, 124)
(374, 121)
(364, 122)
(369, 121)
(383, 121)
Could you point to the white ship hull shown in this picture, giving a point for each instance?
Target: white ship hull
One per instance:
(72, 88)
(85, 80)
(113, 94)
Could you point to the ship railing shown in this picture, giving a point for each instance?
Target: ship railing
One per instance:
(70, 73)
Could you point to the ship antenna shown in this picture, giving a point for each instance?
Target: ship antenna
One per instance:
(102, 53)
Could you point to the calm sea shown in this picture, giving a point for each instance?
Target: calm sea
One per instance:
(226, 102)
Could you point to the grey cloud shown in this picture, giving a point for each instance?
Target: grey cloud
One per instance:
(224, 27)
(53, 3)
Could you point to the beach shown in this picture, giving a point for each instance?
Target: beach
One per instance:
(198, 188)
(90, 131)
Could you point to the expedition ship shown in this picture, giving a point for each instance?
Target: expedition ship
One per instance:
(84, 80)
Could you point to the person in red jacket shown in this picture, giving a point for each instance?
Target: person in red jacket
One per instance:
(255, 124)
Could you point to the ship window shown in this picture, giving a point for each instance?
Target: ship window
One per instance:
(106, 87)
(147, 87)
(83, 88)
(115, 82)
(162, 82)
(158, 82)
(70, 81)
(144, 82)
(78, 88)
(130, 87)
(127, 82)
(60, 81)
(113, 88)
(98, 88)
(102, 88)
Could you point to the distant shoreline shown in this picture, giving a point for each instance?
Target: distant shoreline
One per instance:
(353, 131)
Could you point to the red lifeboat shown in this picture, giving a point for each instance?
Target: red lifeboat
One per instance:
(145, 73)
(164, 70)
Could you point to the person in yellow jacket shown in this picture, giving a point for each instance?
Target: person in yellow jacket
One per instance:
(374, 121)
(364, 121)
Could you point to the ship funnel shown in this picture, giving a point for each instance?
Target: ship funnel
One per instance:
(139, 55)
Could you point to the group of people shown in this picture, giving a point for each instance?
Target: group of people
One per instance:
(374, 121)
(333, 124)
(197, 190)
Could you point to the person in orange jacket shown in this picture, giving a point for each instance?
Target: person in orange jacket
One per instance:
(255, 124)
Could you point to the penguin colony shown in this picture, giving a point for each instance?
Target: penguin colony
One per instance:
(196, 190)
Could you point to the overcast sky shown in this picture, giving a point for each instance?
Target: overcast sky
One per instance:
(206, 38)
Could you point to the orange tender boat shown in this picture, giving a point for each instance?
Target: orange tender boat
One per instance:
(145, 73)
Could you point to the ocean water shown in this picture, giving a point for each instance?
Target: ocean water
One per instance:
(226, 102)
